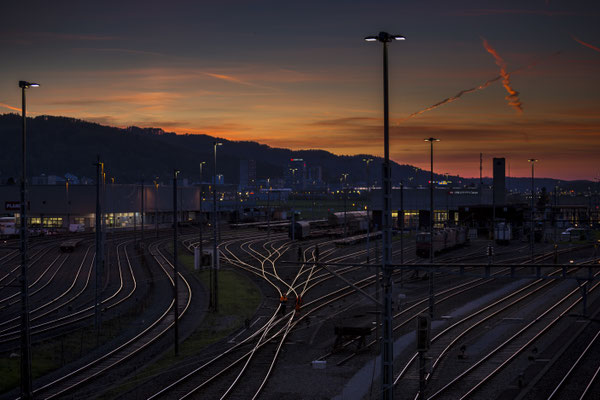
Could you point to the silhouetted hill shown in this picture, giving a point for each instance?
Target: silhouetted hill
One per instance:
(59, 145)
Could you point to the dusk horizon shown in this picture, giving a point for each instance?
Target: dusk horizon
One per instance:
(302, 76)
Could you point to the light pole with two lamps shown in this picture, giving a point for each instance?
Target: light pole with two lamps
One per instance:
(387, 356)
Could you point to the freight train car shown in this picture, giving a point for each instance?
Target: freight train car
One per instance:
(443, 240)
(353, 223)
(68, 246)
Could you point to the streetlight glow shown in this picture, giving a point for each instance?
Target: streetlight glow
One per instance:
(384, 37)
(26, 85)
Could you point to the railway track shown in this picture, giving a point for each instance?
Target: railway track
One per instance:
(107, 362)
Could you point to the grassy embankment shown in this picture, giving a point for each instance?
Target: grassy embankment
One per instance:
(238, 300)
(52, 354)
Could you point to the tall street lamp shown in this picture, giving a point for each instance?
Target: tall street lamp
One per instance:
(345, 190)
(532, 161)
(291, 205)
(68, 206)
(201, 217)
(156, 205)
(387, 357)
(175, 269)
(431, 140)
(368, 161)
(26, 380)
(269, 209)
(214, 292)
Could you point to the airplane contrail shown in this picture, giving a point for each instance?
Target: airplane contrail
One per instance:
(456, 96)
(10, 107)
(585, 44)
(513, 95)
(476, 88)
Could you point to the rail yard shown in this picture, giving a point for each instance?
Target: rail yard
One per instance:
(501, 328)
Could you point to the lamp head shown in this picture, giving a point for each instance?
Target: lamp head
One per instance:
(27, 85)
(384, 37)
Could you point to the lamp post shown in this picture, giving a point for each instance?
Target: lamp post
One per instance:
(387, 356)
(532, 161)
(293, 176)
(431, 140)
(26, 380)
(345, 190)
(291, 207)
(215, 290)
(68, 206)
(201, 217)
(175, 270)
(156, 205)
(368, 161)
(269, 209)
(112, 206)
(142, 216)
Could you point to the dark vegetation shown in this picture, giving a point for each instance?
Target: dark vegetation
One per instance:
(59, 145)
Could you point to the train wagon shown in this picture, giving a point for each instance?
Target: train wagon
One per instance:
(443, 240)
(503, 233)
(68, 246)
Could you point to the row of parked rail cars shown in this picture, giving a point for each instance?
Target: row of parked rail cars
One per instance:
(336, 225)
(443, 240)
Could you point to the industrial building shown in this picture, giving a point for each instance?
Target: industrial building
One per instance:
(59, 206)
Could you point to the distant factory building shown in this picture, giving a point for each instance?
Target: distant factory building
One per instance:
(57, 207)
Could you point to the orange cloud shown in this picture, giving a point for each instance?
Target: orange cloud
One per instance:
(230, 79)
(513, 95)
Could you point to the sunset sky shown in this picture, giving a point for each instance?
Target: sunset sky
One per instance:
(299, 74)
